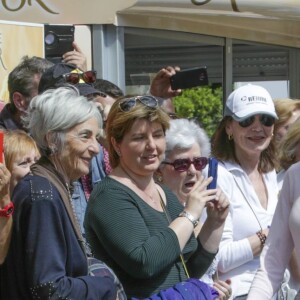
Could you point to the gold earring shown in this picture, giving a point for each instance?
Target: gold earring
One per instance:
(230, 137)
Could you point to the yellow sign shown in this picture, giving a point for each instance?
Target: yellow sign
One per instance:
(17, 40)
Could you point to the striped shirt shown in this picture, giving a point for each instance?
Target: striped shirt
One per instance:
(134, 239)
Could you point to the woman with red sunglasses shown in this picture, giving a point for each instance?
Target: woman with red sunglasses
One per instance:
(244, 145)
(186, 158)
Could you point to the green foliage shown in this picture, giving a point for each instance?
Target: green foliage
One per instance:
(202, 104)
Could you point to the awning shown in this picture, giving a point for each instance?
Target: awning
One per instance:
(273, 22)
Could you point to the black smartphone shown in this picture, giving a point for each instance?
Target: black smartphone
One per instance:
(189, 78)
(213, 171)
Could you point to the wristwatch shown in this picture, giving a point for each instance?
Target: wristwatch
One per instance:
(7, 210)
(186, 214)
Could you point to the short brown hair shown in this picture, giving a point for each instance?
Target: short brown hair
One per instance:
(119, 123)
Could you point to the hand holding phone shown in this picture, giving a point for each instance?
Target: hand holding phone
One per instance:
(213, 171)
(189, 78)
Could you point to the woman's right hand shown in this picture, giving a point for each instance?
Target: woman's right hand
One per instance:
(199, 196)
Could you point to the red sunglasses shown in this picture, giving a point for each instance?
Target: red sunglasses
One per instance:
(87, 77)
(182, 165)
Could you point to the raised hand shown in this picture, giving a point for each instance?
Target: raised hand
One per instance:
(76, 57)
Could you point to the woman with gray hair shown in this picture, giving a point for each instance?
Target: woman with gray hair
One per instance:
(47, 256)
(188, 146)
(186, 156)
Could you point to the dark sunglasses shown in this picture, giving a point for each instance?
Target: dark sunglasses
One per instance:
(129, 104)
(87, 77)
(182, 165)
(265, 120)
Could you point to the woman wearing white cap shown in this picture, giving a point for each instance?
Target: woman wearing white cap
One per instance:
(244, 146)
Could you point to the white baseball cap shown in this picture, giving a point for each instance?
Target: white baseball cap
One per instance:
(249, 100)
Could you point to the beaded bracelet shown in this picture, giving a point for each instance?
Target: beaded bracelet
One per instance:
(262, 237)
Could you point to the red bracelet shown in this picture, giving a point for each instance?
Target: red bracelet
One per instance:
(7, 210)
(262, 237)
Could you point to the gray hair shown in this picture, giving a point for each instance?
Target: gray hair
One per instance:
(22, 78)
(183, 134)
(55, 111)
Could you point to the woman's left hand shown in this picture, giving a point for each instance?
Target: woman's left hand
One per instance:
(223, 288)
(218, 209)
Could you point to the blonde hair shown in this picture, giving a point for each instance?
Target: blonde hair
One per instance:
(17, 143)
(289, 145)
(119, 123)
(284, 109)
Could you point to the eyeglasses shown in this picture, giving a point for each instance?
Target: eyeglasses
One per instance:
(182, 165)
(265, 120)
(87, 77)
(129, 104)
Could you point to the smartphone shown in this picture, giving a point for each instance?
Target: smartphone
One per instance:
(1, 146)
(189, 78)
(213, 171)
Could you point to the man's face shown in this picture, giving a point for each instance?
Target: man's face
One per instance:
(23, 105)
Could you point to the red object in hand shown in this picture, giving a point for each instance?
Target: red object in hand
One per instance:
(7, 210)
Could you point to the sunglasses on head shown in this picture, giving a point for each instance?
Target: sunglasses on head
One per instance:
(129, 103)
(87, 77)
(182, 165)
(265, 120)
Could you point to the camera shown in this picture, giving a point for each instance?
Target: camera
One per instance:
(58, 40)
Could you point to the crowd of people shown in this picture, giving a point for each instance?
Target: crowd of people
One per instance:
(105, 196)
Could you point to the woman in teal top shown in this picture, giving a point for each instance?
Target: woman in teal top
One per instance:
(126, 223)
